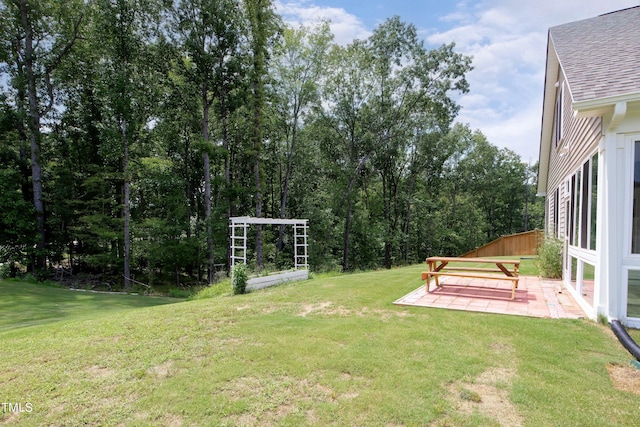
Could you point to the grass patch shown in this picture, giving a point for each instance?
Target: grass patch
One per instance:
(27, 304)
(327, 351)
(218, 289)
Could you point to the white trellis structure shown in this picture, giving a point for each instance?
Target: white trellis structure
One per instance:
(239, 227)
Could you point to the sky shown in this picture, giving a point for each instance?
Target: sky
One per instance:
(507, 40)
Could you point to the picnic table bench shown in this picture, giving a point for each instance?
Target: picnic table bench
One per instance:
(439, 266)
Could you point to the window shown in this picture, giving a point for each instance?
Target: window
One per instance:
(572, 209)
(576, 222)
(574, 273)
(594, 201)
(584, 213)
(635, 228)
(633, 294)
(556, 202)
(582, 206)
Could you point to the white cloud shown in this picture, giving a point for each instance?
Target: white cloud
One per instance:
(345, 26)
(507, 39)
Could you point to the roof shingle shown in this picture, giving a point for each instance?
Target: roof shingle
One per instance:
(600, 56)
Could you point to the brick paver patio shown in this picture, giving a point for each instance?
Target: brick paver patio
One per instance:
(534, 297)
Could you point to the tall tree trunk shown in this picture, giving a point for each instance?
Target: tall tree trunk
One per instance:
(259, 41)
(407, 221)
(127, 208)
(386, 207)
(258, 181)
(187, 189)
(34, 136)
(227, 163)
(347, 232)
(347, 224)
(287, 180)
(207, 186)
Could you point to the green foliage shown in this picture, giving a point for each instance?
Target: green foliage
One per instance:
(239, 278)
(603, 319)
(357, 138)
(180, 293)
(550, 257)
(215, 290)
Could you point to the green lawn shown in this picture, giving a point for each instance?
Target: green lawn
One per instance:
(26, 304)
(328, 351)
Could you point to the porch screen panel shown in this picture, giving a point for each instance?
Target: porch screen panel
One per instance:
(572, 209)
(633, 295)
(594, 201)
(556, 219)
(635, 227)
(576, 213)
(584, 214)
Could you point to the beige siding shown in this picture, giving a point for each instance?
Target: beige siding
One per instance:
(581, 136)
(550, 211)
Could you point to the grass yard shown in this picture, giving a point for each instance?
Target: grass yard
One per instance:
(26, 304)
(328, 351)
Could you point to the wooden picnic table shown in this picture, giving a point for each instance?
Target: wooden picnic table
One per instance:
(505, 269)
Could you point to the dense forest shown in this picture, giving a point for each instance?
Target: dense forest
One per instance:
(131, 130)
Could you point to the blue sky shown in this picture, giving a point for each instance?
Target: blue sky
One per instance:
(506, 38)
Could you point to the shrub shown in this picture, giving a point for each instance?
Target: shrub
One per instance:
(215, 290)
(239, 279)
(550, 258)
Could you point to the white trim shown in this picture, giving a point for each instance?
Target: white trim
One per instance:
(633, 322)
(576, 292)
(239, 220)
(629, 261)
(261, 282)
(300, 229)
(595, 107)
(619, 113)
(574, 225)
(629, 258)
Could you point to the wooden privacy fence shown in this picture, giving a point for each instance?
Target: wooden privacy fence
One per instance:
(515, 244)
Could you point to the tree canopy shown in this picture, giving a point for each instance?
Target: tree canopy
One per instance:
(131, 130)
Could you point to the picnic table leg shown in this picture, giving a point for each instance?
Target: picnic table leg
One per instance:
(433, 267)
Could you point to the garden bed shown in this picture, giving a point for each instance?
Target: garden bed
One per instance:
(261, 282)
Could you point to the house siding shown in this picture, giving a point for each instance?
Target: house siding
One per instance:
(594, 62)
(581, 137)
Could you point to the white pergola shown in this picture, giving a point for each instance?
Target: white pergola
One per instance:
(239, 226)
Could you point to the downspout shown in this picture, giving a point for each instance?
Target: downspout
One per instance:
(625, 339)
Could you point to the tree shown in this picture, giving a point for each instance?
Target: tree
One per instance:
(412, 91)
(123, 28)
(17, 222)
(345, 115)
(297, 73)
(208, 32)
(35, 39)
(262, 26)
